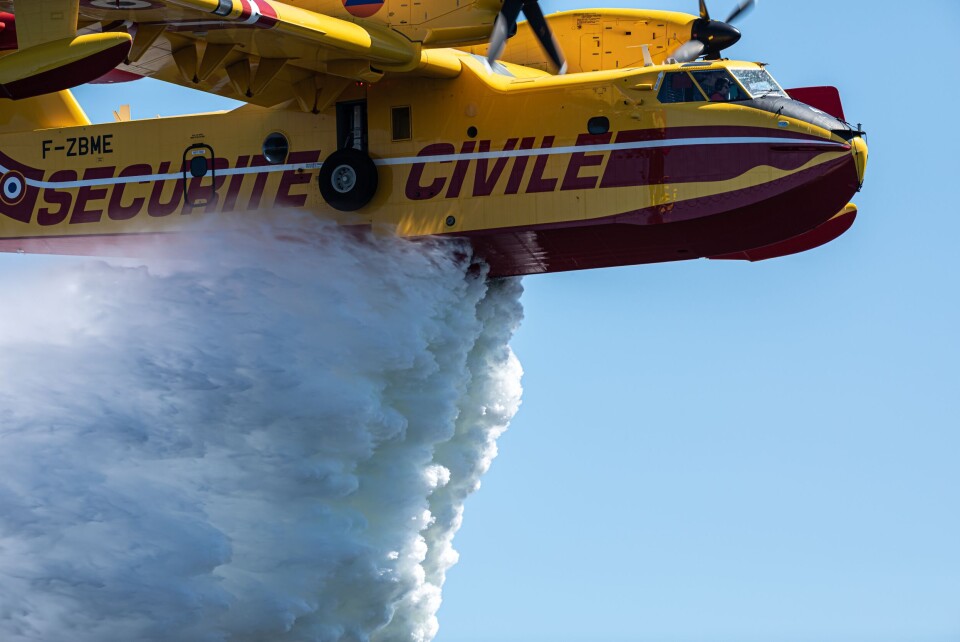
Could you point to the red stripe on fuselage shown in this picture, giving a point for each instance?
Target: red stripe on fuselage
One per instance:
(730, 222)
(721, 224)
(651, 157)
(699, 163)
(717, 131)
(22, 210)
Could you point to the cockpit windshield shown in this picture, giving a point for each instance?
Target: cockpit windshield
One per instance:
(759, 82)
(717, 85)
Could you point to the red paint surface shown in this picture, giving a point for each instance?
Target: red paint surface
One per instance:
(781, 210)
(61, 200)
(22, 210)
(713, 156)
(790, 211)
(820, 235)
(415, 191)
(460, 170)
(116, 76)
(823, 98)
(268, 15)
(117, 209)
(727, 223)
(67, 76)
(362, 8)
(8, 32)
(777, 217)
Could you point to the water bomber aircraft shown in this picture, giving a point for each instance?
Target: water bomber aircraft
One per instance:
(581, 139)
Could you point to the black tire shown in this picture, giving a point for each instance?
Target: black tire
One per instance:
(348, 179)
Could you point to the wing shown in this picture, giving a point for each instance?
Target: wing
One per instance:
(46, 54)
(259, 51)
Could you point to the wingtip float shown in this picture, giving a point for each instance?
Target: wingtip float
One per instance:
(650, 148)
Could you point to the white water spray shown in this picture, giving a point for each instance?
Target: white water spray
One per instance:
(272, 444)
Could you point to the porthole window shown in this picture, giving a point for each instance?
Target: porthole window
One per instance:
(598, 125)
(198, 166)
(472, 131)
(276, 148)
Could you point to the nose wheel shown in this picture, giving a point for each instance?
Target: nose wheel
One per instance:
(348, 179)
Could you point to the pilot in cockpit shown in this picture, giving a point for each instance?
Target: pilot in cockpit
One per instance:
(721, 90)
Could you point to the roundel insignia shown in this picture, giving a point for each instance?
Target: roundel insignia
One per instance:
(362, 8)
(122, 5)
(12, 187)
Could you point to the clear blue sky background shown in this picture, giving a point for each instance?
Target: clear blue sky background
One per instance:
(744, 452)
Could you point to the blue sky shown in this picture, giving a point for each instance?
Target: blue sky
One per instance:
(730, 451)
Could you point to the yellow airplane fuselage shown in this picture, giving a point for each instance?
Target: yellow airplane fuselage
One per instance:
(542, 173)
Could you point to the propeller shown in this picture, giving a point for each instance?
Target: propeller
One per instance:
(710, 37)
(506, 26)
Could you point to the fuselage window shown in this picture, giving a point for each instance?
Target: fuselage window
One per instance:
(401, 123)
(598, 125)
(719, 86)
(275, 148)
(678, 87)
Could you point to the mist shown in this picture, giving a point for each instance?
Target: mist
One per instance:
(272, 441)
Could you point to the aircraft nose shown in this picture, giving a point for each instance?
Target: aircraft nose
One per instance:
(858, 147)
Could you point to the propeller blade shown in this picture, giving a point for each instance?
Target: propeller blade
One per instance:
(505, 24)
(703, 10)
(744, 6)
(715, 35)
(534, 15)
(689, 51)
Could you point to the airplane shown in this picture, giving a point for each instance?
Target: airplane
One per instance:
(583, 139)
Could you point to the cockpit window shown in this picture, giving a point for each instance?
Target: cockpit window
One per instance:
(678, 87)
(759, 82)
(719, 86)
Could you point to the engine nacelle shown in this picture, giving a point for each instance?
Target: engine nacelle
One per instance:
(61, 64)
(598, 39)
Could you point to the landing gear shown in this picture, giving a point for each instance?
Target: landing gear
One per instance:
(348, 179)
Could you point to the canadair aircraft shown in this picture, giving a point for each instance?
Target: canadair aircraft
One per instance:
(577, 140)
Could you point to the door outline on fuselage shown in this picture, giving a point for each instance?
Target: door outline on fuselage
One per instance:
(195, 173)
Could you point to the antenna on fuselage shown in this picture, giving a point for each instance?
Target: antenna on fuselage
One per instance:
(647, 58)
(122, 115)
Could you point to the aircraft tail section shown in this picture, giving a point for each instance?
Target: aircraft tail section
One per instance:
(59, 109)
(825, 99)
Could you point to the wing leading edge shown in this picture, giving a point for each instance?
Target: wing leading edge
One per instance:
(258, 51)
